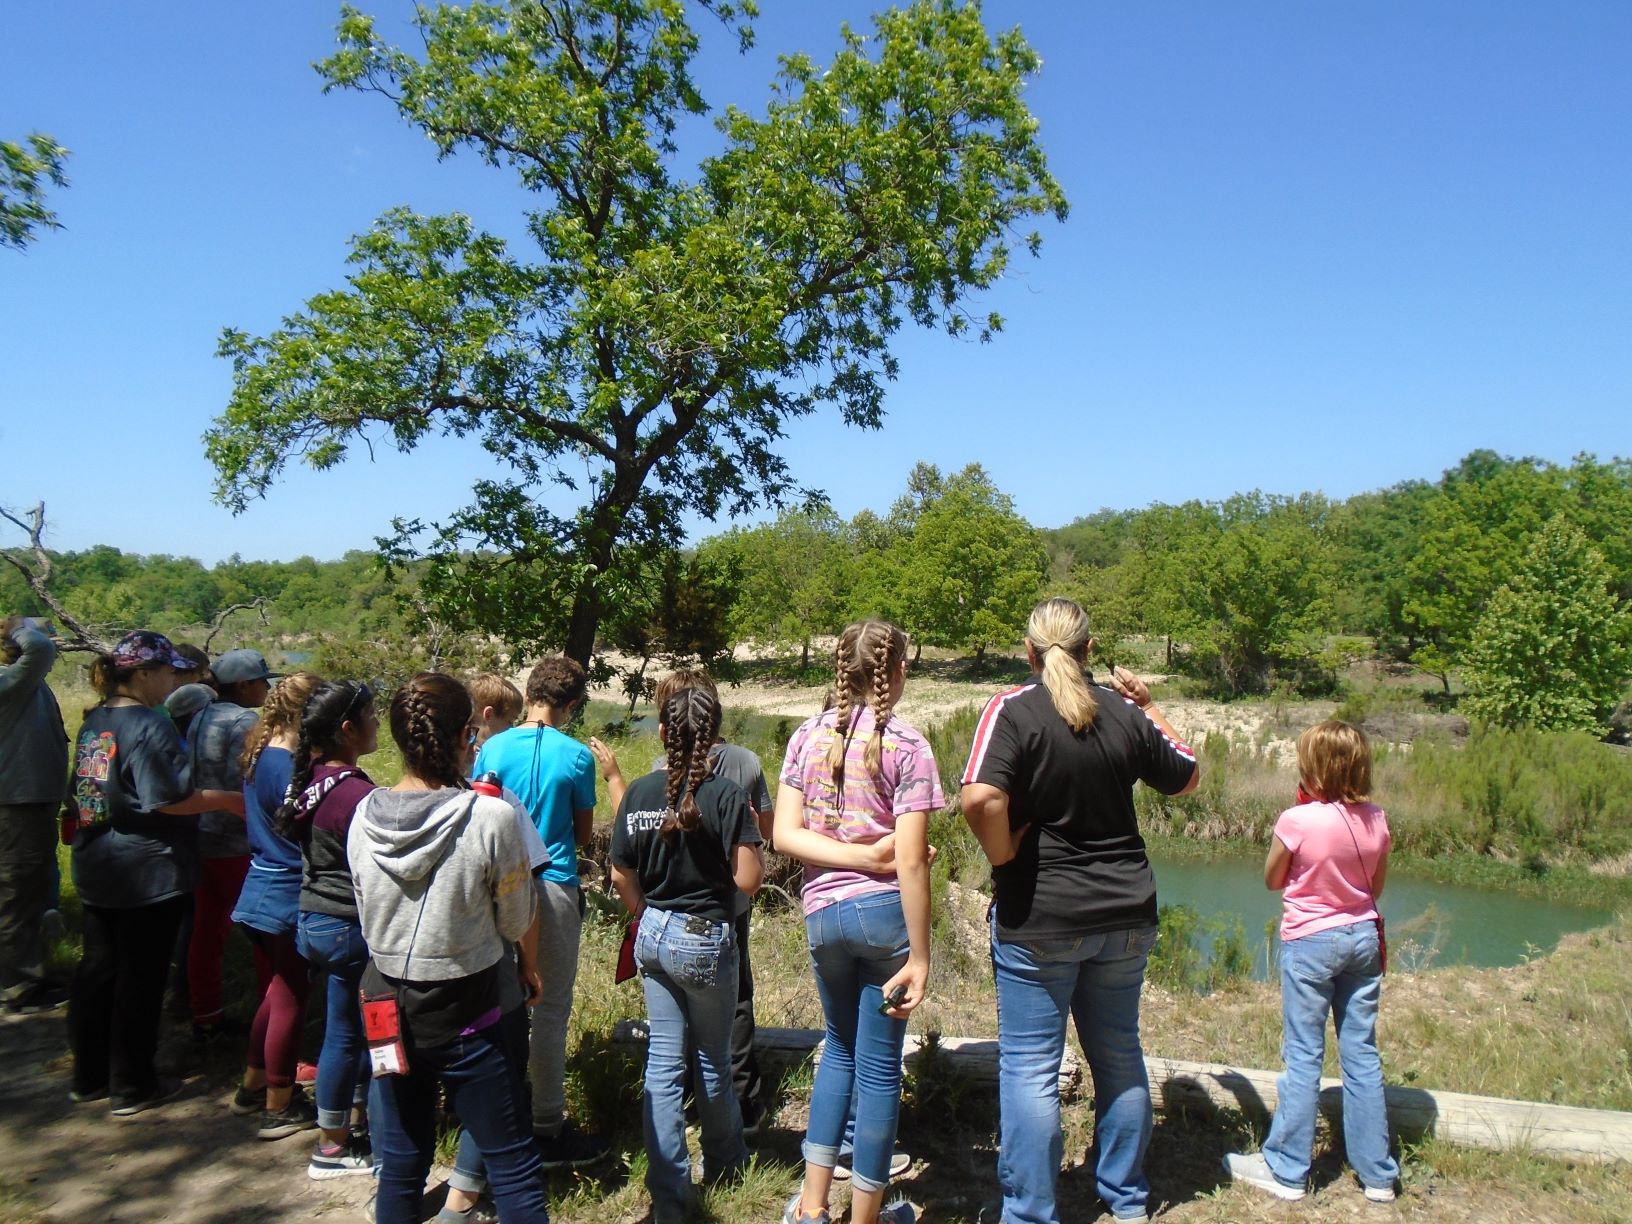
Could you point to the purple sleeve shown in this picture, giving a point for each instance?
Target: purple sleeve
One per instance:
(918, 788)
(790, 775)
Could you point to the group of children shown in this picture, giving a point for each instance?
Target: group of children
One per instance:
(445, 916)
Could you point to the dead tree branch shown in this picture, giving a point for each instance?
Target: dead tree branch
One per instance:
(256, 604)
(38, 577)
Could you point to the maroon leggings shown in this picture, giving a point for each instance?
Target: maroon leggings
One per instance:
(274, 1036)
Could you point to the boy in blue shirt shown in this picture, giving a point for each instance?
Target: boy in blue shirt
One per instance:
(554, 777)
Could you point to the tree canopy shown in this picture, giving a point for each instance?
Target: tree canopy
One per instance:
(647, 351)
(27, 167)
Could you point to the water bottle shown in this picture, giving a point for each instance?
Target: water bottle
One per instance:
(488, 784)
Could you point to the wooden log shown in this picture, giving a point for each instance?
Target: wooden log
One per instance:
(1457, 1117)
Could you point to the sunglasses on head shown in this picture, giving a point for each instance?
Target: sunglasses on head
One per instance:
(361, 699)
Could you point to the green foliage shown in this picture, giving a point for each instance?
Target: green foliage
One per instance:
(664, 330)
(1198, 956)
(794, 577)
(26, 167)
(966, 571)
(1553, 649)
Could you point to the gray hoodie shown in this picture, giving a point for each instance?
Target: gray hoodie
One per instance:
(442, 881)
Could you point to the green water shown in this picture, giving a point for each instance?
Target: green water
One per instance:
(1429, 924)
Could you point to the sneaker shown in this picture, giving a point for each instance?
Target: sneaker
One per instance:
(217, 1031)
(571, 1149)
(1141, 1218)
(1380, 1194)
(305, 1073)
(299, 1115)
(128, 1106)
(483, 1212)
(341, 1160)
(82, 1096)
(898, 1212)
(37, 1001)
(1254, 1171)
(791, 1214)
(900, 1162)
(248, 1101)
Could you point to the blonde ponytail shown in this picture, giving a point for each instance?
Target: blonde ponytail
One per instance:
(1058, 632)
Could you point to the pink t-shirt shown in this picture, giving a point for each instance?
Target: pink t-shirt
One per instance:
(908, 781)
(1329, 884)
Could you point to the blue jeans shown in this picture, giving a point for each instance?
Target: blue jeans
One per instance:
(469, 1168)
(335, 946)
(1096, 980)
(1336, 970)
(856, 946)
(688, 969)
(483, 1089)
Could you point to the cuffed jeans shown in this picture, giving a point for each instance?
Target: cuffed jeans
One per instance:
(688, 969)
(482, 1088)
(560, 927)
(857, 945)
(469, 1168)
(28, 854)
(1338, 971)
(1095, 979)
(335, 946)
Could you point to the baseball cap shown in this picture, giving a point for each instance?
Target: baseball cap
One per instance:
(144, 648)
(237, 666)
(189, 699)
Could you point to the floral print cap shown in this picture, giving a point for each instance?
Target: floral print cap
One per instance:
(144, 648)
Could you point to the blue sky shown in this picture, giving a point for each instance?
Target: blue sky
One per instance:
(1311, 246)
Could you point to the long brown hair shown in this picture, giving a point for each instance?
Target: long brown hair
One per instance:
(430, 716)
(691, 720)
(279, 716)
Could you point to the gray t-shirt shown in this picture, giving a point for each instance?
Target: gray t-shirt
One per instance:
(215, 742)
(128, 763)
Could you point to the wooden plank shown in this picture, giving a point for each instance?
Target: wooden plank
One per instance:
(1457, 1117)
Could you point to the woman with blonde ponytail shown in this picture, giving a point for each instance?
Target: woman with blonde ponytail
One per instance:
(858, 787)
(1049, 794)
(684, 844)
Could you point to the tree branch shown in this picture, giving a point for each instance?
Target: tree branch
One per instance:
(258, 603)
(38, 578)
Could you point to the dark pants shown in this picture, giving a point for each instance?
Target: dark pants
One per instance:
(469, 1169)
(28, 846)
(745, 1077)
(274, 1035)
(482, 1088)
(117, 995)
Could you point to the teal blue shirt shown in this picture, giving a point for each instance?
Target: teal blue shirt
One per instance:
(554, 776)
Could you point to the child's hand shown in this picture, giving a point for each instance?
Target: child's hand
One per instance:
(607, 758)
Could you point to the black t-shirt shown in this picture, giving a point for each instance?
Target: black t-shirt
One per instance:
(1081, 867)
(690, 873)
(128, 763)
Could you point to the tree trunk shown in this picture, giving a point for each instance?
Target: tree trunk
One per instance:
(917, 651)
(804, 657)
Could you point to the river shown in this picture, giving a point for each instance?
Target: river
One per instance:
(1429, 924)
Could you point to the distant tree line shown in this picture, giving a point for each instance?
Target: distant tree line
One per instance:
(1512, 575)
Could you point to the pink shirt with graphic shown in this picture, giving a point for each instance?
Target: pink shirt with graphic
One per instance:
(908, 781)
(1335, 851)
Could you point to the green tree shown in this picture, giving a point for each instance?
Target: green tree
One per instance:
(26, 168)
(664, 330)
(968, 570)
(793, 577)
(1553, 649)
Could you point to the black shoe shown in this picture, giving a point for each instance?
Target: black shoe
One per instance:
(299, 1115)
(571, 1149)
(129, 1105)
(38, 1000)
(83, 1096)
(219, 1031)
(247, 1101)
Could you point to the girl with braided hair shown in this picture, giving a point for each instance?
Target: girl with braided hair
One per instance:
(684, 843)
(443, 882)
(858, 786)
(267, 910)
(338, 726)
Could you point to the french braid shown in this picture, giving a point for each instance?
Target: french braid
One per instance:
(691, 720)
(873, 756)
(280, 715)
(845, 686)
(429, 717)
(864, 662)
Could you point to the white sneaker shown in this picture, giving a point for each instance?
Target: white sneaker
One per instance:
(900, 1162)
(1254, 1171)
(1379, 1194)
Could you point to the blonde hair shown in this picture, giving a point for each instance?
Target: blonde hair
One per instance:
(1058, 632)
(489, 689)
(867, 653)
(1334, 762)
(280, 714)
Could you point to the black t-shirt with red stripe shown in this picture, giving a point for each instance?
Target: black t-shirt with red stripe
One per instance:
(1082, 866)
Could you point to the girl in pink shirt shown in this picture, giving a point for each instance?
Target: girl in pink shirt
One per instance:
(1330, 856)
